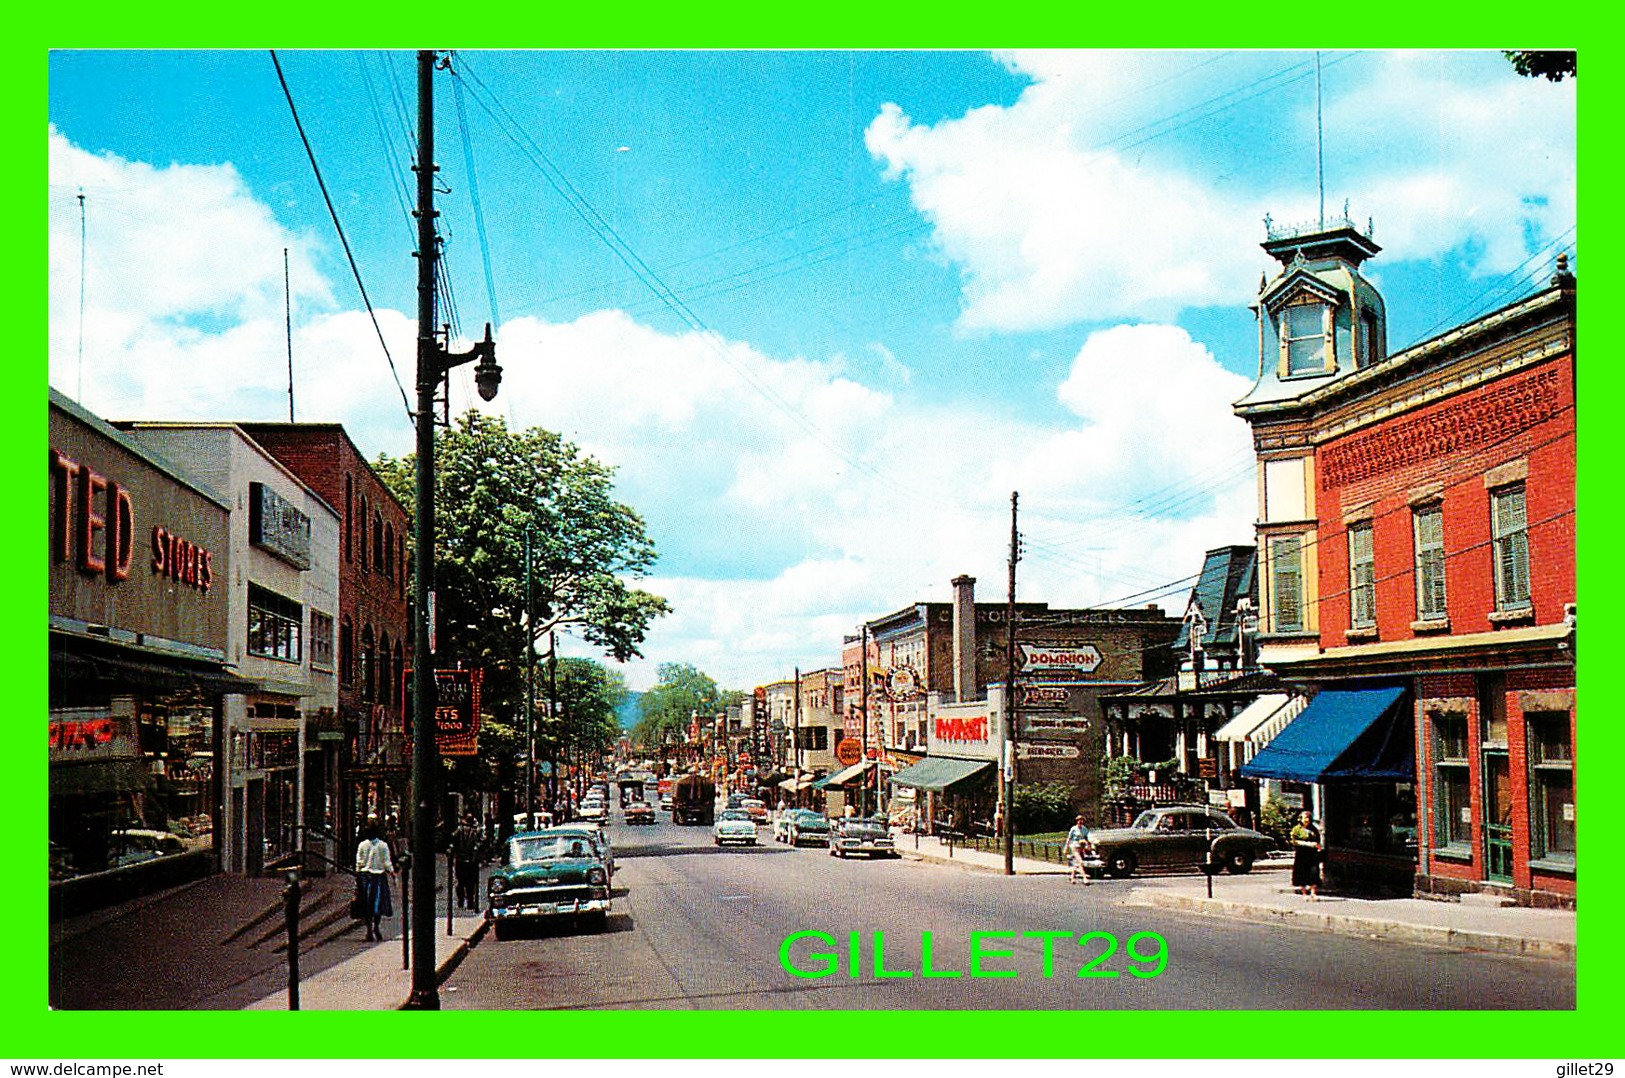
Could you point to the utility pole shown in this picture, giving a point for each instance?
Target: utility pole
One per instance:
(863, 699)
(1009, 746)
(530, 694)
(434, 363)
(795, 721)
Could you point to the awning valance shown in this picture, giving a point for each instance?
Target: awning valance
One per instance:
(1251, 717)
(940, 772)
(1343, 735)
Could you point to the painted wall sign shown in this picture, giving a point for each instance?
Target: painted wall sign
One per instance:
(1063, 658)
(1037, 751)
(1043, 697)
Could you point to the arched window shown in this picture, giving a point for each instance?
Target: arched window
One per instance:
(349, 520)
(369, 666)
(389, 551)
(378, 542)
(400, 683)
(366, 565)
(386, 672)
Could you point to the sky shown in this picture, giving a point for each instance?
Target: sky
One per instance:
(823, 311)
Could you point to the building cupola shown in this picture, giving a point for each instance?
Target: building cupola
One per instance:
(1318, 318)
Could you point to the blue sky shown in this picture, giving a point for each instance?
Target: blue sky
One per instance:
(907, 283)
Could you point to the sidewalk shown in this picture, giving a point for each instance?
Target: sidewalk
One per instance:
(218, 944)
(374, 978)
(1265, 895)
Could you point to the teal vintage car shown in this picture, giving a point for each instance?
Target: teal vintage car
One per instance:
(557, 872)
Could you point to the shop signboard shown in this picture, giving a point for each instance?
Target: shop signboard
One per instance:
(1043, 697)
(848, 751)
(1055, 724)
(1058, 661)
(456, 710)
(1028, 750)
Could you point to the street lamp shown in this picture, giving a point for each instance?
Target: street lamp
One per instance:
(435, 362)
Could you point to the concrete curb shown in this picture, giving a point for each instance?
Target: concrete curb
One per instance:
(1021, 864)
(449, 964)
(1433, 935)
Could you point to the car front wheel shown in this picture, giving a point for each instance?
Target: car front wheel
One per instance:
(1121, 864)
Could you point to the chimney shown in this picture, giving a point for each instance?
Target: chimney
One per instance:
(965, 687)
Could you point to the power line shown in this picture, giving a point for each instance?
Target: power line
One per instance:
(355, 271)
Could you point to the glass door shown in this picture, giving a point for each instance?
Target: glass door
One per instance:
(1498, 816)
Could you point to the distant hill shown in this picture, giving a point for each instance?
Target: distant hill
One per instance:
(628, 714)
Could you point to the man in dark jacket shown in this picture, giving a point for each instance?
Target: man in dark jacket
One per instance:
(466, 847)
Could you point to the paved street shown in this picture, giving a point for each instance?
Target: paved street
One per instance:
(699, 927)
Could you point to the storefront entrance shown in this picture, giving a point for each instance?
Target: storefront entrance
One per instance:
(1498, 816)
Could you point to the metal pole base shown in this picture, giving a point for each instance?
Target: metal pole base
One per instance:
(423, 1001)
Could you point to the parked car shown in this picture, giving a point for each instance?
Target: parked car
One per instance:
(734, 825)
(757, 809)
(639, 812)
(665, 802)
(781, 825)
(807, 826)
(1177, 836)
(595, 834)
(548, 874)
(858, 834)
(735, 801)
(142, 844)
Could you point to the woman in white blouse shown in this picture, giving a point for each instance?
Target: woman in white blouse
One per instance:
(372, 869)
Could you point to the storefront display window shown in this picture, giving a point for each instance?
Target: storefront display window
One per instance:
(1551, 789)
(1453, 813)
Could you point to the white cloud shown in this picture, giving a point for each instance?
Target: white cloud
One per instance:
(813, 497)
(1091, 197)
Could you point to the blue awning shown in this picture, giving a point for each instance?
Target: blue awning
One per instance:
(1344, 735)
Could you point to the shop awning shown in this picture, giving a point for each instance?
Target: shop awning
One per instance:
(795, 785)
(940, 772)
(846, 776)
(1343, 735)
(1262, 719)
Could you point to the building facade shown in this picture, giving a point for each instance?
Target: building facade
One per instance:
(140, 560)
(281, 610)
(1416, 547)
(362, 757)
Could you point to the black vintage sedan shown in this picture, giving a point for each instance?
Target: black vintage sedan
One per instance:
(1177, 836)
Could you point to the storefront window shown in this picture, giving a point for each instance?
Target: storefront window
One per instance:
(1551, 793)
(274, 625)
(1453, 815)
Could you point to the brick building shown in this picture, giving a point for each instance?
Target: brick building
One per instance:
(1416, 544)
(363, 756)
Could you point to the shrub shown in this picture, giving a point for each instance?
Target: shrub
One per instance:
(1041, 807)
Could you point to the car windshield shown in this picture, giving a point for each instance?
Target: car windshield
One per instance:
(537, 849)
(736, 814)
(1147, 821)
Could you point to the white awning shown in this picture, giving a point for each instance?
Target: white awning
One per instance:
(1261, 720)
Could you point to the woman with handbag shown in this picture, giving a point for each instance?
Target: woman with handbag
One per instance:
(373, 866)
(1306, 848)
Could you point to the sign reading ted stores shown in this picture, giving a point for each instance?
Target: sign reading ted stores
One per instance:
(93, 527)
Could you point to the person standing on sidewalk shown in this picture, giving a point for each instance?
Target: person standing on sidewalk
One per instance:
(1077, 843)
(465, 855)
(1306, 848)
(373, 866)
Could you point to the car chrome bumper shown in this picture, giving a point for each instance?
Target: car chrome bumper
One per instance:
(567, 908)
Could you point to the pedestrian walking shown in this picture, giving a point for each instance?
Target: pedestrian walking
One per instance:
(466, 859)
(1077, 846)
(373, 866)
(1306, 852)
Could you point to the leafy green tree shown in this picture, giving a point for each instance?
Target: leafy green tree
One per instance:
(680, 691)
(493, 487)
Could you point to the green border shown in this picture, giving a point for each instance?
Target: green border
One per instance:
(32, 1031)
